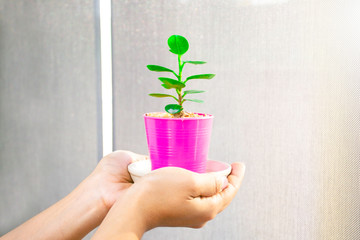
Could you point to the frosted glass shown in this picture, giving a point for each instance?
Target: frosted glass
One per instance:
(48, 104)
(285, 100)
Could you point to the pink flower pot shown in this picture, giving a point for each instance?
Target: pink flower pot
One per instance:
(179, 142)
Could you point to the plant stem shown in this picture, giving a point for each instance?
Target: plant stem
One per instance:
(179, 91)
(180, 67)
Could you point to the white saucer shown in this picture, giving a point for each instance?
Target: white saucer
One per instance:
(141, 168)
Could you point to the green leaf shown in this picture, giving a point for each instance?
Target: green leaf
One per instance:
(178, 44)
(161, 95)
(194, 100)
(173, 108)
(157, 68)
(165, 86)
(200, 76)
(171, 83)
(193, 91)
(172, 51)
(195, 62)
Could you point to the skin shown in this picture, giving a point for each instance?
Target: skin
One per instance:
(159, 199)
(126, 210)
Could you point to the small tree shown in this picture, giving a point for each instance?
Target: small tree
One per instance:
(178, 45)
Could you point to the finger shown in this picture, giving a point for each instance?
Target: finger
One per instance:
(127, 156)
(137, 157)
(235, 179)
(209, 184)
(237, 174)
(222, 200)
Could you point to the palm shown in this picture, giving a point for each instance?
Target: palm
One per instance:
(113, 176)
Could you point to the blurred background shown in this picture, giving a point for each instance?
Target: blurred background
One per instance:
(286, 100)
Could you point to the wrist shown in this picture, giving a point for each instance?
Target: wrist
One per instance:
(125, 220)
(85, 205)
(91, 193)
(132, 216)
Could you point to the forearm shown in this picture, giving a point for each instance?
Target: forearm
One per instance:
(71, 218)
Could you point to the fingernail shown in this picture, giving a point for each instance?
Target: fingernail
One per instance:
(243, 168)
(224, 182)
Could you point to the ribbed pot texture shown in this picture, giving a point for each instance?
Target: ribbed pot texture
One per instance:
(179, 142)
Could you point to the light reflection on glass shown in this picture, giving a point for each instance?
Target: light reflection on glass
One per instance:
(261, 2)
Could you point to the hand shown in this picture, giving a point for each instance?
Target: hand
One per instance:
(170, 197)
(111, 177)
(177, 197)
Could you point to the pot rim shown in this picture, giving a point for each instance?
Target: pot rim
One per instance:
(205, 116)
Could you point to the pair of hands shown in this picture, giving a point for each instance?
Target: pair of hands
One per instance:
(165, 197)
(108, 197)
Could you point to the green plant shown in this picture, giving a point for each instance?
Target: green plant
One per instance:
(178, 45)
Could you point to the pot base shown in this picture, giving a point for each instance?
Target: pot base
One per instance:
(141, 168)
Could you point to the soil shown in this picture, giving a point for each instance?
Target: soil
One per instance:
(182, 114)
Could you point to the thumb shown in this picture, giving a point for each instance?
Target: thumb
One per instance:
(137, 157)
(210, 184)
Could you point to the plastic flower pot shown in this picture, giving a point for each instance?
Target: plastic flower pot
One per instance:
(179, 142)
